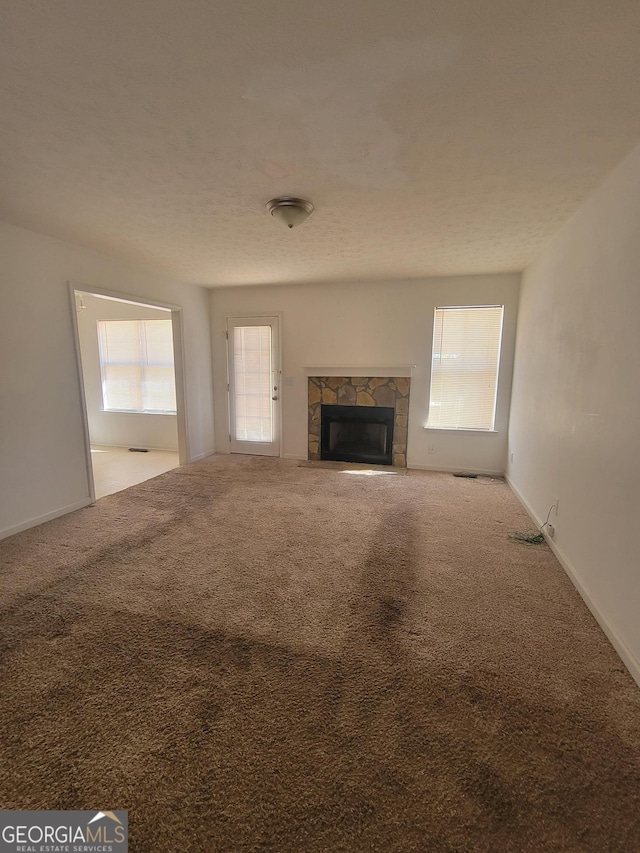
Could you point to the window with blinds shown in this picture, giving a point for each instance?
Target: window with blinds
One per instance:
(136, 362)
(464, 367)
(252, 383)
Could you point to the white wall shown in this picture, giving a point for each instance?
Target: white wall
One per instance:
(575, 421)
(121, 429)
(42, 455)
(386, 323)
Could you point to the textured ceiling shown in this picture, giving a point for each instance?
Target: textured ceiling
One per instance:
(434, 138)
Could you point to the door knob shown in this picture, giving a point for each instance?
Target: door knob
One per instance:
(274, 398)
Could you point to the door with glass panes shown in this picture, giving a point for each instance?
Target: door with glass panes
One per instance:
(254, 385)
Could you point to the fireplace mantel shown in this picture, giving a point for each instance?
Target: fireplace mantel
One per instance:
(362, 370)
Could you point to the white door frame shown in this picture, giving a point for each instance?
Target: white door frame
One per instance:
(278, 351)
(178, 363)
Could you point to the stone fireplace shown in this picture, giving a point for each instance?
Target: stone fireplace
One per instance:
(337, 430)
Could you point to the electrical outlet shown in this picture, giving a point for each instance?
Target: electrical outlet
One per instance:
(557, 503)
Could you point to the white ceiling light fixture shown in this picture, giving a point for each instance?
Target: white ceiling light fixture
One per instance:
(292, 211)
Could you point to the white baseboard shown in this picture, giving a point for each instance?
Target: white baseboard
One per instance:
(625, 653)
(49, 516)
(127, 446)
(482, 472)
(200, 456)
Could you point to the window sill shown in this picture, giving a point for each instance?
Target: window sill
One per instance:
(466, 431)
(135, 412)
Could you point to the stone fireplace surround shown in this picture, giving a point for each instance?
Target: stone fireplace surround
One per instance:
(361, 391)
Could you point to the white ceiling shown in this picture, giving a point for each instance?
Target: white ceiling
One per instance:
(434, 138)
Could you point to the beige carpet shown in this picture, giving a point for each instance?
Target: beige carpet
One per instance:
(253, 656)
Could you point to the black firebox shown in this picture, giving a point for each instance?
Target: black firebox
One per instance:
(357, 434)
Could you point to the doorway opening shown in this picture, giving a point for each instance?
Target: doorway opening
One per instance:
(129, 357)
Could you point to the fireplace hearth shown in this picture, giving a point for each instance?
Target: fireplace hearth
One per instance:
(357, 434)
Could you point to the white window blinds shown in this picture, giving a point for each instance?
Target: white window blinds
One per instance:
(252, 383)
(464, 367)
(136, 360)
